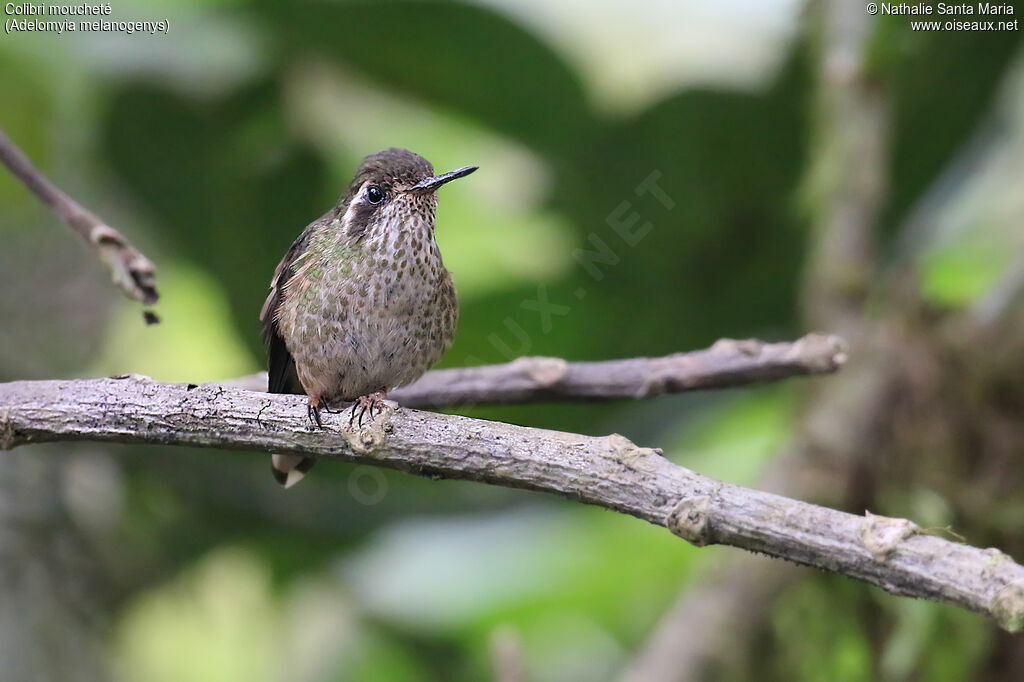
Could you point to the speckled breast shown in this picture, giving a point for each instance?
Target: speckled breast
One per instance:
(368, 317)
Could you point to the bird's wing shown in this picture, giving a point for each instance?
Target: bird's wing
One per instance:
(282, 377)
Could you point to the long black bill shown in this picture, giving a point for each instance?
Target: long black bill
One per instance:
(431, 184)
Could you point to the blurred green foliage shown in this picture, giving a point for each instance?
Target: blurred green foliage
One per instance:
(225, 176)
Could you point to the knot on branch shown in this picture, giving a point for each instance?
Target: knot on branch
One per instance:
(1008, 607)
(365, 440)
(689, 520)
(136, 378)
(821, 352)
(628, 452)
(132, 272)
(749, 347)
(545, 372)
(881, 535)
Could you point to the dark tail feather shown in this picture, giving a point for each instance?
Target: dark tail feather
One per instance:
(289, 469)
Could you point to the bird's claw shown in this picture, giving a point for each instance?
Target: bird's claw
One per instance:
(372, 403)
(313, 412)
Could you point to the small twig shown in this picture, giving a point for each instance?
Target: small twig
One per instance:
(132, 272)
(609, 472)
(727, 363)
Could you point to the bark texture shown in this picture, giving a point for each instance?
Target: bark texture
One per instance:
(609, 472)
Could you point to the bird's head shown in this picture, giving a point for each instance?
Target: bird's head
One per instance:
(393, 190)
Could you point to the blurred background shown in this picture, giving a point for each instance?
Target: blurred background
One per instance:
(820, 169)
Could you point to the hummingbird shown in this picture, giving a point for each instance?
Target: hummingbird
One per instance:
(361, 303)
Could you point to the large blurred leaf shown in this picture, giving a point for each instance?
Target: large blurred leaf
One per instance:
(460, 56)
(721, 260)
(225, 180)
(724, 260)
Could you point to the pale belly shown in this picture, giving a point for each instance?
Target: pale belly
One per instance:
(358, 335)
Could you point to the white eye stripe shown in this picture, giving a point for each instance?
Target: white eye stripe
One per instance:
(358, 200)
(361, 210)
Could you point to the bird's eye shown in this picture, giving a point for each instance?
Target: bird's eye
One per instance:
(374, 194)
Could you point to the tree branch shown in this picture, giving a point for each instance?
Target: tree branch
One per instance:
(132, 272)
(609, 472)
(727, 363)
(847, 176)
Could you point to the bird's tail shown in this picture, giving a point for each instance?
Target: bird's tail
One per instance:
(289, 469)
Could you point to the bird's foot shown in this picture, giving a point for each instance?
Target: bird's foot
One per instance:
(313, 411)
(372, 403)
